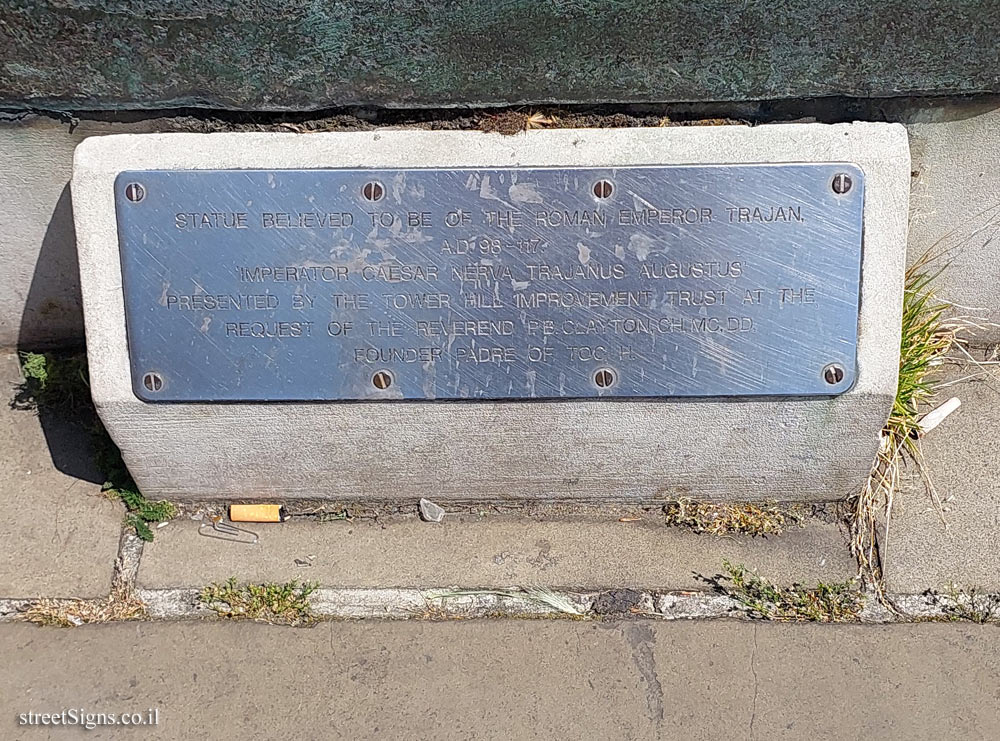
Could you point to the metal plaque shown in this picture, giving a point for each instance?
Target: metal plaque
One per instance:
(491, 283)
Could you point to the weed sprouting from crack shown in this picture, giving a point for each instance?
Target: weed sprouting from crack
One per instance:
(933, 334)
(760, 598)
(280, 604)
(970, 604)
(727, 519)
(60, 383)
(927, 338)
(53, 381)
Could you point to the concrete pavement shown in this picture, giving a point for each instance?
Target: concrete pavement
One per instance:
(59, 535)
(489, 679)
(932, 549)
(492, 551)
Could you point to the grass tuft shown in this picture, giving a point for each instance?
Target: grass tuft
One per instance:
(824, 603)
(727, 519)
(280, 604)
(121, 604)
(926, 339)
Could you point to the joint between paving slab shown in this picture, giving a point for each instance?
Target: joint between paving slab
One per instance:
(457, 604)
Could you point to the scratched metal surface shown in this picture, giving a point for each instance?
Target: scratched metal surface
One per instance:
(724, 280)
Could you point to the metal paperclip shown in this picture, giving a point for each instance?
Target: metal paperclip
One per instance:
(226, 531)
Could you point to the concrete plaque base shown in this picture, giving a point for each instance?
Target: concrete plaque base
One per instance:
(643, 450)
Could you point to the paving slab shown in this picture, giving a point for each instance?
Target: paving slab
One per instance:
(494, 551)
(59, 535)
(493, 679)
(955, 204)
(962, 460)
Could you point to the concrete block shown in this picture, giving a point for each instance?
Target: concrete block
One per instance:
(59, 534)
(781, 448)
(955, 206)
(930, 549)
(39, 279)
(40, 304)
(493, 551)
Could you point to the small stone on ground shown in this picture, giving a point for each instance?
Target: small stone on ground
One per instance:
(431, 512)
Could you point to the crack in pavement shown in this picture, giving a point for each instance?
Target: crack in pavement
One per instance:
(641, 638)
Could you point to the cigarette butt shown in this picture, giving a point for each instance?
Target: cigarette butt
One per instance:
(933, 418)
(257, 513)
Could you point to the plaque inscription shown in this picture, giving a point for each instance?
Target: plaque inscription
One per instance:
(491, 283)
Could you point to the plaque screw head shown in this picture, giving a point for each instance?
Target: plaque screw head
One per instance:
(382, 379)
(135, 192)
(833, 374)
(841, 183)
(372, 191)
(152, 381)
(604, 378)
(603, 189)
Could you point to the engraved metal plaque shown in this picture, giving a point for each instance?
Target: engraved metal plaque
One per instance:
(491, 283)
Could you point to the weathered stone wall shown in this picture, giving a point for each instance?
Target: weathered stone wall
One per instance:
(309, 54)
(954, 208)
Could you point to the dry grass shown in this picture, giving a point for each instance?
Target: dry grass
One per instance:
(121, 604)
(509, 123)
(727, 519)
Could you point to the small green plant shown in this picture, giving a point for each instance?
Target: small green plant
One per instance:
(53, 381)
(59, 382)
(726, 519)
(824, 603)
(282, 604)
(141, 513)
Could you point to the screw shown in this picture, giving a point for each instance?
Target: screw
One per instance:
(841, 183)
(603, 188)
(152, 381)
(833, 374)
(135, 192)
(373, 191)
(382, 379)
(604, 378)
